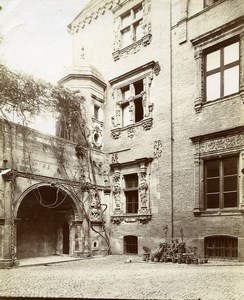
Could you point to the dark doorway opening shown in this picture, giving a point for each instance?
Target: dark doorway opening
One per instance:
(43, 223)
(65, 238)
(130, 244)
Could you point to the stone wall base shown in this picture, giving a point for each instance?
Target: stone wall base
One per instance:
(7, 263)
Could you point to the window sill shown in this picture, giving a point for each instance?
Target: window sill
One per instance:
(217, 212)
(200, 104)
(146, 124)
(132, 48)
(131, 218)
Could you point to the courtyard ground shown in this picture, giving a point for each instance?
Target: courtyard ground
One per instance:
(110, 277)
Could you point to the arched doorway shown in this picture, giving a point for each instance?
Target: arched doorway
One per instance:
(45, 215)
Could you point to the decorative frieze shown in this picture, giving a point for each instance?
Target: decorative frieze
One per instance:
(223, 143)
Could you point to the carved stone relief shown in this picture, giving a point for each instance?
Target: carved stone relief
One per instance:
(131, 132)
(157, 148)
(114, 158)
(95, 206)
(117, 192)
(222, 143)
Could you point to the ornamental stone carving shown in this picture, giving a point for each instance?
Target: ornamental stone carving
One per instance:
(131, 132)
(117, 192)
(133, 48)
(143, 190)
(95, 206)
(157, 68)
(114, 158)
(116, 134)
(157, 148)
(147, 124)
(222, 143)
(91, 15)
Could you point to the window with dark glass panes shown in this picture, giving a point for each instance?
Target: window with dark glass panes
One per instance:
(222, 71)
(131, 193)
(221, 183)
(131, 25)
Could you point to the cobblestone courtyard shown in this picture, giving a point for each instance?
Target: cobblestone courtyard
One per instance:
(110, 277)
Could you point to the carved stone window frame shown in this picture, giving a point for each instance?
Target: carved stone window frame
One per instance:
(145, 73)
(119, 11)
(141, 168)
(218, 145)
(201, 44)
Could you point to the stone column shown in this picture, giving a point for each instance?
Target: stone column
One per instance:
(78, 238)
(9, 227)
(85, 226)
(199, 80)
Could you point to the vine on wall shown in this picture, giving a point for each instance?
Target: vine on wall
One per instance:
(24, 97)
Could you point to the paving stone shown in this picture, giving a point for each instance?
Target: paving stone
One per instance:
(110, 277)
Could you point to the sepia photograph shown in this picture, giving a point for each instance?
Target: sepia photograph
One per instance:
(122, 149)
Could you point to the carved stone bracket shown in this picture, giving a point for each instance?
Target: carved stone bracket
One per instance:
(8, 175)
(131, 132)
(147, 124)
(116, 134)
(157, 68)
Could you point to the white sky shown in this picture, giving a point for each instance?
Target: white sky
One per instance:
(35, 35)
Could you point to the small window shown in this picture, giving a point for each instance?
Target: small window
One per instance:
(130, 244)
(131, 193)
(221, 183)
(96, 112)
(222, 71)
(221, 247)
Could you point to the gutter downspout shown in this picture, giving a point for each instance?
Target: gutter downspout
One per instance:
(171, 131)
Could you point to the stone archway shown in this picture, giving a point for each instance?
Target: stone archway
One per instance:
(46, 215)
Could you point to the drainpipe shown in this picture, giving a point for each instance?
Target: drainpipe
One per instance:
(171, 131)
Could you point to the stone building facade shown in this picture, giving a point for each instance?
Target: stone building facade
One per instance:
(164, 88)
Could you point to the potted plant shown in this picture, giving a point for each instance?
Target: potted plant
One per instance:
(146, 254)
